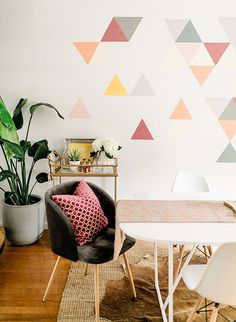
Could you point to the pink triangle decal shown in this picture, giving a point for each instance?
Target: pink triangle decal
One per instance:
(114, 32)
(216, 50)
(79, 111)
(142, 132)
(188, 49)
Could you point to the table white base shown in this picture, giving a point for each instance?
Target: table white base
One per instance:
(171, 283)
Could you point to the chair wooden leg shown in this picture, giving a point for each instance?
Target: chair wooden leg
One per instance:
(180, 260)
(86, 269)
(130, 276)
(195, 308)
(51, 279)
(214, 313)
(210, 250)
(96, 280)
(205, 248)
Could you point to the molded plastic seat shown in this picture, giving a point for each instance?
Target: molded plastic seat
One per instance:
(190, 182)
(215, 281)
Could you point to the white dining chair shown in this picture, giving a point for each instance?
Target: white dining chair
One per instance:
(190, 182)
(215, 281)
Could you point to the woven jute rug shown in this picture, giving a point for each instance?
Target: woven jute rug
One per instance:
(117, 303)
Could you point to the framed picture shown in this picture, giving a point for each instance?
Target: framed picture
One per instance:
(84, 146)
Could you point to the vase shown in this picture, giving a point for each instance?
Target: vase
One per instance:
(102, 159)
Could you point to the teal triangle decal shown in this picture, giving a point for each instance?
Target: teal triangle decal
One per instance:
(229, 112)
(189, 34)
(228, 155)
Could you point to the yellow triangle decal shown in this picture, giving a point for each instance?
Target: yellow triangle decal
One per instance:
(115, 88)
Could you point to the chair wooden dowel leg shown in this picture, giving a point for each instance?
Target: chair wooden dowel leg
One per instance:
(206, 252)
(176, 273)
(210, 250)
(130, 276)
(51, 279)
(86, 269)
(214, 313)
(195, 308)
(96, 280)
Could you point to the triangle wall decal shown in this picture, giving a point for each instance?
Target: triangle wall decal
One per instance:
(142, 132)
(79, 111)
(216, 50)
(229, 127)
(115, 88)
(229, 112)
(201, 72)
(128, 25)
(217, 104)
(114, 32)
(189, 34)
(176, 26)
(188, 49)
(86, 49)
(142, 88)
(228, 155)
(181, 112)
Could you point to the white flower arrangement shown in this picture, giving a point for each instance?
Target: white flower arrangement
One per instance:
(108, 145)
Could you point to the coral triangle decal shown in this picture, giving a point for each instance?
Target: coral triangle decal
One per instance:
(181, 112)
(86, 49)
(142, 132)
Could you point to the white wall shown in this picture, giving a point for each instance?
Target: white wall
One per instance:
(38, 60)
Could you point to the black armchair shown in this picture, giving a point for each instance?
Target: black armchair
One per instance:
(63, 242)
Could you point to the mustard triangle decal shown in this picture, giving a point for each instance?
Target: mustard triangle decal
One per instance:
(115, 88)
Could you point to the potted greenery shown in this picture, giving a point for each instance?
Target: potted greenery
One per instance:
(74, 156)
(21, 208)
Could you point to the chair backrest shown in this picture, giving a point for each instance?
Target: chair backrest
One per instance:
(190, 182)
(218, 282)
(61, 235)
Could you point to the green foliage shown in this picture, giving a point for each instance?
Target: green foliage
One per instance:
(17, 154)
(74, 155)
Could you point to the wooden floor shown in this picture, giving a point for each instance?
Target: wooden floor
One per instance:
(24, 273)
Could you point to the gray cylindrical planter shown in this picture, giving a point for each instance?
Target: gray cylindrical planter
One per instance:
(23, 224)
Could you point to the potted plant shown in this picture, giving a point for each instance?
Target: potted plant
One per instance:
(21, 209)
(74, 156)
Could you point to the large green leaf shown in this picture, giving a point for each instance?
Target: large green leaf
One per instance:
(42, 177)
(33, 108)
(7, 128)
(5, 116)
(39, 150)
(14, 148)
(17, 114)
(4, 174)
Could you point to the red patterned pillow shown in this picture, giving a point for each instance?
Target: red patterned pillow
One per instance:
(85, 214)
(84, 190)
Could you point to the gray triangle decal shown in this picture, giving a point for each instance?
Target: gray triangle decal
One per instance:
(128, 25)
(229, 112)
(228, 155)
(189, 34)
